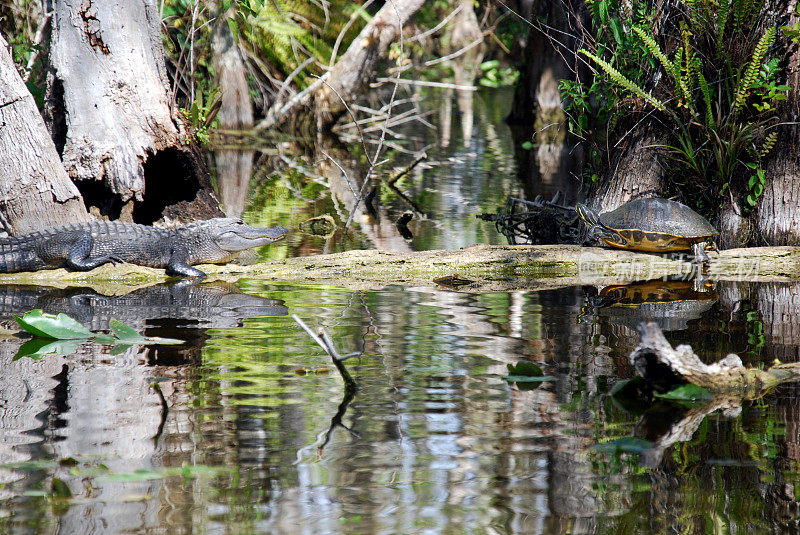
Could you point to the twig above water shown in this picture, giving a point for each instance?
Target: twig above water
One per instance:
(324, 341)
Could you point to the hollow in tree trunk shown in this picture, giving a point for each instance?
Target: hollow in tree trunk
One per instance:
(110, 115)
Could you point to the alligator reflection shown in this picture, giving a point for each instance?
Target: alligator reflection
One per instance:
(182, 310)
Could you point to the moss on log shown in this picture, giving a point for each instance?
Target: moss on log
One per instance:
(490, 267)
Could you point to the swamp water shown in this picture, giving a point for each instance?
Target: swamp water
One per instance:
(248, 428)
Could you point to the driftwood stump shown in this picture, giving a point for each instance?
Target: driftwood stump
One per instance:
(657, 361)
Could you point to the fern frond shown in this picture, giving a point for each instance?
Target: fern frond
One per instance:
(618, 78)
(710, 122)
(722, 21)
(769, 142)
(654, 49)
(752, 68)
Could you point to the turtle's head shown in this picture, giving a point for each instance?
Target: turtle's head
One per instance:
(594, 228)
(588, 215)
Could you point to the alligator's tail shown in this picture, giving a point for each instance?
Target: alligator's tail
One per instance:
(16, 255)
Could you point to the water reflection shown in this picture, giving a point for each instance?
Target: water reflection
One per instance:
(435, 439)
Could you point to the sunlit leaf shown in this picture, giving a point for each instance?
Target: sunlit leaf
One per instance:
(59, 327)
(127, 335)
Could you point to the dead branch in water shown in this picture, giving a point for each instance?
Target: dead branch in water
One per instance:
(325, 342)
(656, 360)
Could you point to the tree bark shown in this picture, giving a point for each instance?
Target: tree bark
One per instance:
(778, 217)
(636, 171)
(110, 112)
(236, 110)
(35, 191)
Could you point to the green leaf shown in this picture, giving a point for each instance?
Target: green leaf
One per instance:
(617, 30)
(39, 347)
(124, 332)
(527, 145)
(488, 65)
(627, 444)
(525, 368)
(603, 10)
(234, 29)
(688, 392)
(60, 489)
(104, 339)
(128, 336)
(59, 327)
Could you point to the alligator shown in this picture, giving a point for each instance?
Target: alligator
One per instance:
(85, 246)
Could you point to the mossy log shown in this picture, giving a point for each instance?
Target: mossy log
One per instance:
(488, 267)
(657, 361)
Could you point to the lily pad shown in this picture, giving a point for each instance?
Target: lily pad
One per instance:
(128, 336)
(37, 348)
(58, 327)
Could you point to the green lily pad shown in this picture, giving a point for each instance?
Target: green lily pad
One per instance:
(58, 327)
(37, 348)
(127, 335)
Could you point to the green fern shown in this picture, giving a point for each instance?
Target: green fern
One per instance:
(769, 142)
(654, 49)
(710, 121)
(722, 21)
(752, 69)
(618, 78)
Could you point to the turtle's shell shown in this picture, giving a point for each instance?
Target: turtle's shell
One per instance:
(656, 224)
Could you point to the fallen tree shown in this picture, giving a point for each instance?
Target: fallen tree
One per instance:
(479, 268)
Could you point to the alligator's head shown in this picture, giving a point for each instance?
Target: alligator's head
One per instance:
(232, 235)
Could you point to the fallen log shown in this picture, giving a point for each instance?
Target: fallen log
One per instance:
(489, 267)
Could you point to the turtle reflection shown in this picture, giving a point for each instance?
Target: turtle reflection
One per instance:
(670, 304)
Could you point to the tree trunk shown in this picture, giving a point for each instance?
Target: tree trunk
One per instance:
(778, 217)
(636, 171)
(110, 113)
(35, 191)
(236, 111)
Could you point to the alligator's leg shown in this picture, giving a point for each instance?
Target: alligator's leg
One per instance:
(179, 269)
(79, 257)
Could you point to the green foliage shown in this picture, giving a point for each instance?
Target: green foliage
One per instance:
(294, 33)
(495, 76)
(61, 334)
(717, 85)
(202, 116)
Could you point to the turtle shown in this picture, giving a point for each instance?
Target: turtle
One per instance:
(653, 225)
